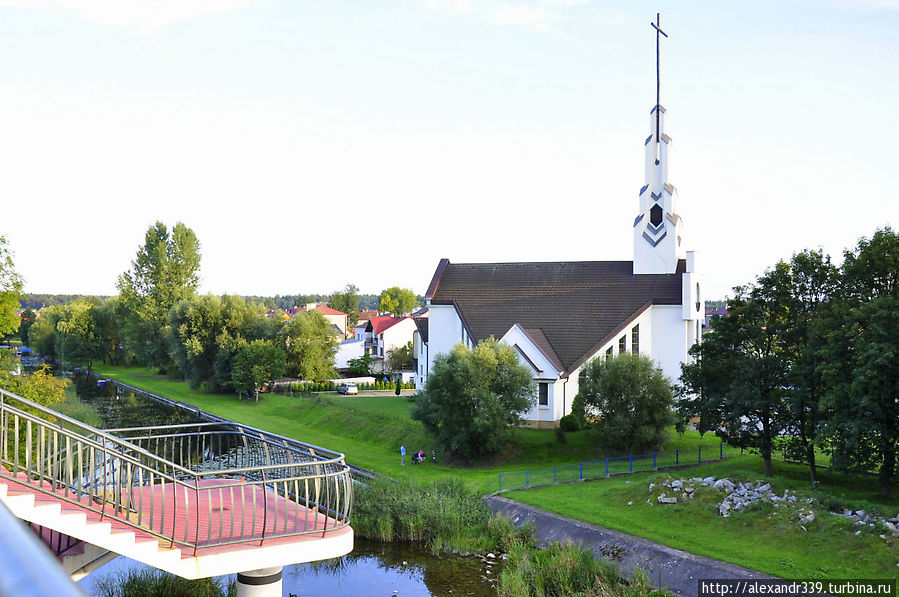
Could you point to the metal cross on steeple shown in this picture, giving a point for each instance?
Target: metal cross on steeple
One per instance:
(658, 27)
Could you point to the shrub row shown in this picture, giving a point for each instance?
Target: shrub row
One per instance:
(329, 386)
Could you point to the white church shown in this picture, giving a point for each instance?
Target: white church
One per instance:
(561, 315)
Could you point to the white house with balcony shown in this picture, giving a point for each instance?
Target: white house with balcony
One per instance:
(383, 334)
(561, 315)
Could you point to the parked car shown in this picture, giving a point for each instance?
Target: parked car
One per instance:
(347, 388)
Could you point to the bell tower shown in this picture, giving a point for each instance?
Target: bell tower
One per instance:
(657, 228)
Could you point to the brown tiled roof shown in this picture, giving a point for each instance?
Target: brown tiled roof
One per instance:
(575, 305)
(422, 324)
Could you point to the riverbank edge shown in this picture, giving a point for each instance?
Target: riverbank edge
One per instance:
(358, 472)
(673, 570)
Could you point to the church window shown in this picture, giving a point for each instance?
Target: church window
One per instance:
(655, 215)
(622, 345)
(543, 394)
(609, 353)
(635, 339)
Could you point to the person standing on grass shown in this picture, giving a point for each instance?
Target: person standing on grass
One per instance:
(403, 455)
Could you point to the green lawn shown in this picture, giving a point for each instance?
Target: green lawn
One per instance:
(369, 430)
(767, 538)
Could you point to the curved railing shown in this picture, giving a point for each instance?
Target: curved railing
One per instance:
(196, 485)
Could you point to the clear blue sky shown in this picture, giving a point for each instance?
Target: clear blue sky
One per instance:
(311, 144)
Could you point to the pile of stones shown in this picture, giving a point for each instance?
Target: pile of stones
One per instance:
(744, 494)
(862, 518)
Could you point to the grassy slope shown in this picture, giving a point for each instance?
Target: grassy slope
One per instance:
(767, 539)
(369, 431)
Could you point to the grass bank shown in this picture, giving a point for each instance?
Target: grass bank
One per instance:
(448, 517)
(370, 430)
(765, 538)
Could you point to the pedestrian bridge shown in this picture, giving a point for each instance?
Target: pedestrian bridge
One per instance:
(196, 500)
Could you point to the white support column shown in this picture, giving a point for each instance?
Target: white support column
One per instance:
(265, 582)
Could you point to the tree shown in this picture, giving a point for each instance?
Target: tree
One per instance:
(813, 282)
(399, 301)
(360, 367)
(633, 401)
(43, 334)
(79, 336)
(10, 291)
(25, 323)
(310, 346)
(200, 328)
(255, 364)
(165, 271)
(861, 359)
(400, 358)
(474, 397)
(348, 302)
(737, 382)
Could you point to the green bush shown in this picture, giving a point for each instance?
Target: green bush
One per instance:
(441, 514)
(570, 423)
(566, 570)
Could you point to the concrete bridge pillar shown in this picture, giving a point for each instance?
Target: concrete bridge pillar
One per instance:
(265, 582)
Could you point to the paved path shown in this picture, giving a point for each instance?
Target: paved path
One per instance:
(676, 571)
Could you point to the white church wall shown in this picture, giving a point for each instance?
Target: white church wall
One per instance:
(669, 339)
(444, 331)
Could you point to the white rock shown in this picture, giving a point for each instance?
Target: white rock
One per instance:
(859, 513)
(807, 519)
(708, 480)
(630, 503)
(490, 555)
(677, 484)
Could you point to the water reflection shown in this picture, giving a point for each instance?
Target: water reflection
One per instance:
(372, 569)
(120, 408)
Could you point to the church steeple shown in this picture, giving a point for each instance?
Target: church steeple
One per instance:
(657, 228)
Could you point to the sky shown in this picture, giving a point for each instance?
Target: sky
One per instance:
(314, 144)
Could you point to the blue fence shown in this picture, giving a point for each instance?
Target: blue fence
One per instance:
(613, 465)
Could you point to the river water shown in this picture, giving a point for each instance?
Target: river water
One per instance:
(371, 569)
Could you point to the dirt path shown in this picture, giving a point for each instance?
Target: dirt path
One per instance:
(674, 570)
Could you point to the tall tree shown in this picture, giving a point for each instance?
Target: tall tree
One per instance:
(43, 335)
(633, 400)
(25, 323)
(310, 345)
(10, 291)
(737, 381)
(256, 364)
(861, 359)
(400, 358)
(813, 282)
(346, 301)
(80, 339)
(199, 328)
(399, 301)
(165, 271)
(474, 397)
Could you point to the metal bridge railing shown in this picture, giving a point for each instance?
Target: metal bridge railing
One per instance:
(196, 485)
